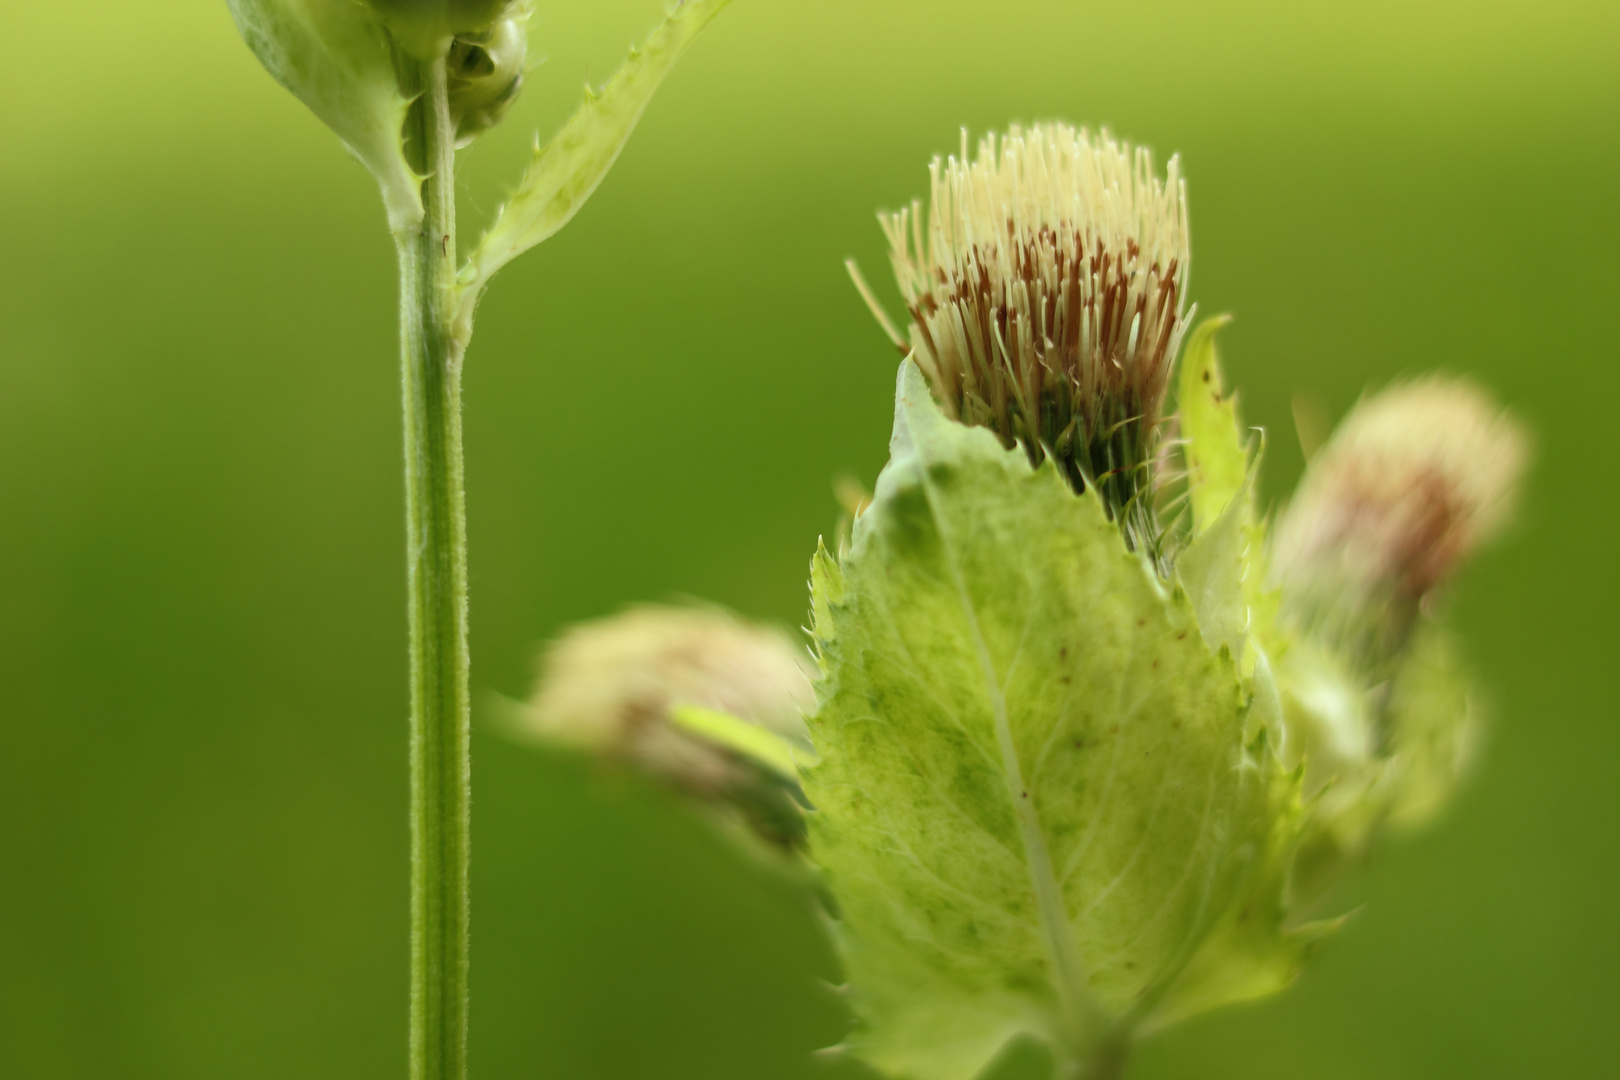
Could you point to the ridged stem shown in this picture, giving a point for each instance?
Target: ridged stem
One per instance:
(436, 569)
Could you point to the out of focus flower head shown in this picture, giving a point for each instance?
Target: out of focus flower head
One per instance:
(1414, 480)
(623, 688)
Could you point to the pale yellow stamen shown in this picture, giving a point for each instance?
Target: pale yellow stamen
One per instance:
(1053, 256)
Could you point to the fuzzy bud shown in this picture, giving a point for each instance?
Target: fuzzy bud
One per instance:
(1414, 480)
(611, 688)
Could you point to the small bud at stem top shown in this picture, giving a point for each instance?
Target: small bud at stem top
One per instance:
(486, 74)
(420, 25)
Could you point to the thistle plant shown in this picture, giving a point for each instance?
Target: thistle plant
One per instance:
(405, 84)
(1091, 740)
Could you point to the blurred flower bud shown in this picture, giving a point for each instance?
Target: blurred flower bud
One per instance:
(486, 74)
(612, 688)
(1411, 483)
(1047, 289)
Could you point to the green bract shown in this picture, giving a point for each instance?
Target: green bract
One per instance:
(1217, 462)
(336, 57)
(1042, 795)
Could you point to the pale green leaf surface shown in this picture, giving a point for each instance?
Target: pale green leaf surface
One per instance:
(1266, 712)
(1212, 571)
(1217, 459)
(566, 170)
(336, 59)
(1034, 798)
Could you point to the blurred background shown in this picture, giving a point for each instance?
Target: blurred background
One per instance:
(202, 689)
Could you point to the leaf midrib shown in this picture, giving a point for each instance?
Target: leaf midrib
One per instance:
(1080, 1009)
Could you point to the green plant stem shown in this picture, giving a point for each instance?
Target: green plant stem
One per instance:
(436, 567)
(1103, 1060)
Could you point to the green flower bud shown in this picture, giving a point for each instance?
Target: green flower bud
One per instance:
(339, 58)
(423, 25)
(336, 57)
(486, 74)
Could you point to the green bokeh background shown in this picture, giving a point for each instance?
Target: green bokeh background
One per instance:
(202, 733)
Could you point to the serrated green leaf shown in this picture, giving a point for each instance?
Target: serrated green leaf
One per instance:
(566, 170)
(336, 59)
(1255, 951)
(1034, 798)
(1217, 458)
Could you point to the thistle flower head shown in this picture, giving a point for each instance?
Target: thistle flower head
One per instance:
(1046, 285)
(1411, 483)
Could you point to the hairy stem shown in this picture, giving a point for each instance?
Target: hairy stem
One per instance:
(436, 570)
